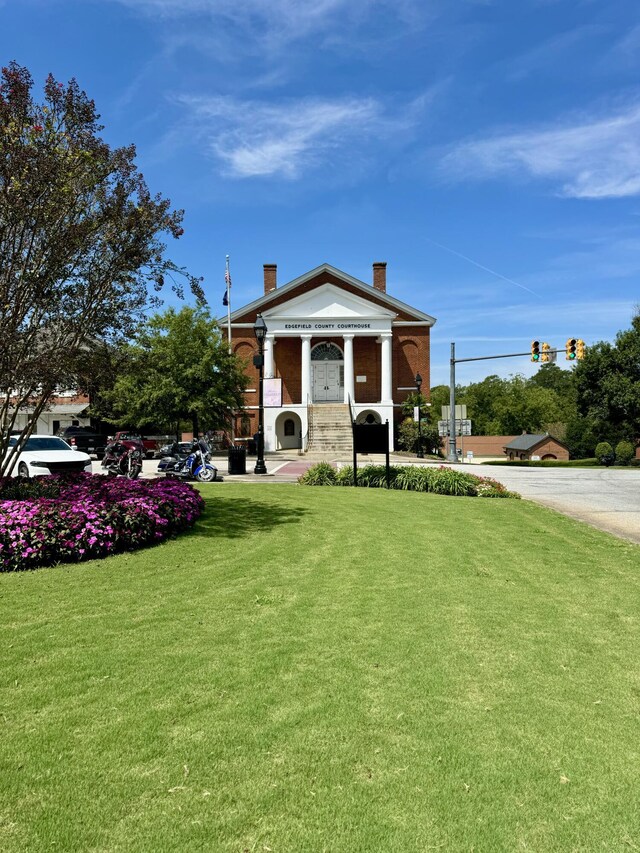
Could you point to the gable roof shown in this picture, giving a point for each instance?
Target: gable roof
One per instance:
(528, 442)
(367, 291)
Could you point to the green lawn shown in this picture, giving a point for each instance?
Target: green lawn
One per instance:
(328, 670)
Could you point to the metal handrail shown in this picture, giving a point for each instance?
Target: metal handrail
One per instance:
(352, 414)
(307, 437)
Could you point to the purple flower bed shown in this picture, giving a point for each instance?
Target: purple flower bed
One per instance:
(81, 517)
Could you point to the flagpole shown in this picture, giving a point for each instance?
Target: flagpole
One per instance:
(227, 279)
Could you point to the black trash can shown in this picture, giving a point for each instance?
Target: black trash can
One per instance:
(237, 459)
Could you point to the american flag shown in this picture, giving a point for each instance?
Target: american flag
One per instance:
(227, 278)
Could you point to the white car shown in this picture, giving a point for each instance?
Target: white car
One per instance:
(48, 454)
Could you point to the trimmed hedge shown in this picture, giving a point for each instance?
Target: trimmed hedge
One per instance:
(414, 478)
(77, 517)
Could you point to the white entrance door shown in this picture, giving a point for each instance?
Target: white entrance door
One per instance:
(326, 382)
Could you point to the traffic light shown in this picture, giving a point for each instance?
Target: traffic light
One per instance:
(535, 350)
(571, 349)
(545, 352)
(580, 348)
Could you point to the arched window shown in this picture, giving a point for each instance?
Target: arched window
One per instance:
(326, 352)
(289, 427)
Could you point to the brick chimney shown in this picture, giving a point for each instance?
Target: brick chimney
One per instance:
(270, 277)
(380, 276)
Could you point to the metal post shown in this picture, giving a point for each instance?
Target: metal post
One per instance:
(260, 329)
(260, 468)
(453, 454)
(387, 468)
(355, 453)
(418, 381)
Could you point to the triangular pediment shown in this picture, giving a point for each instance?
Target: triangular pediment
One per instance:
(327, 302)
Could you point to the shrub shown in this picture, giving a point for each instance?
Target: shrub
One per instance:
(625, 452)
(604, 453)
(414, 478)
(375, 476)
(344, 477)
(487, 487)
(83, 517)
(408, 436)
(321, 474)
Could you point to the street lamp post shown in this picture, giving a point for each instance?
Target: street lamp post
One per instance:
(260, 331)
(418, 381)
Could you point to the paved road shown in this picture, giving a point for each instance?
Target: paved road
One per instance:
(605, 498)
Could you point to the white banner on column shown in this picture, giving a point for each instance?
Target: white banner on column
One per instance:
(273, 392)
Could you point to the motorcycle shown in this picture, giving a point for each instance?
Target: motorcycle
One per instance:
(122, 460)
(193, 465)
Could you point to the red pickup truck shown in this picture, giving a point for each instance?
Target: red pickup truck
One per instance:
(130, 439)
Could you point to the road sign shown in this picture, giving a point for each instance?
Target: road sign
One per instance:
(461, 412)
(463, 427)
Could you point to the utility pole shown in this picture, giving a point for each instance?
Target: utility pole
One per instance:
(572, 344)
(453, 450)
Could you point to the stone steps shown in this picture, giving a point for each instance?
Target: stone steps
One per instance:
(331, 428)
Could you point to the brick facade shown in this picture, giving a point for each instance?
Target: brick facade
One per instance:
(410, 344)
(387, 340)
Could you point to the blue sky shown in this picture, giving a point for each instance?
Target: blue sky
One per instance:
(488, 150)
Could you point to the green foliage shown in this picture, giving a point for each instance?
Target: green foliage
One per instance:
(604, 453)
(413, 478)
(625, 451)
(344, 477)
(320, 474)
(408, 436)
(178, 368)
(608, 387)
(510, 406)
(29, 488)
(375, 476)
(81, 243)
(412, 400)
(439, 397)
(546, 463)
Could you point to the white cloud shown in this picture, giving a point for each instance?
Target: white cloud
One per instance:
(276, 20)
(593, 158)
(253, 138)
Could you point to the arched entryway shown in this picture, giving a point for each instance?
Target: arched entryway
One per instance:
(327, 366)
(288, 431)
(369, 416)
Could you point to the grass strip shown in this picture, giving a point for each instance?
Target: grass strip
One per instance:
(328, 669)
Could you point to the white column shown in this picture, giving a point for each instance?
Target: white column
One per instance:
(386, 384)
(306, 369)
(268, 356)
(349, 387)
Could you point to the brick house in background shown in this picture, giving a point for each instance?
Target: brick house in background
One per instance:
(335, 347)
(545, 446)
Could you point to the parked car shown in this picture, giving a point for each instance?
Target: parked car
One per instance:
(130, 440)
(175, 448)
(85, 439)
(48, 454)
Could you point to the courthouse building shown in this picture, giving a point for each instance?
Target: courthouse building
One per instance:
(336, 348)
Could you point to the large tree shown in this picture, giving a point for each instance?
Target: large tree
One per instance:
(178, 369)
(608, 389)
(81, 249)
(510, 406)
